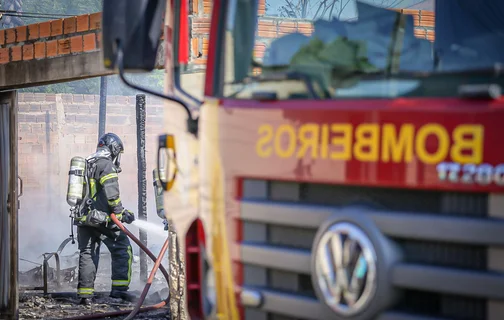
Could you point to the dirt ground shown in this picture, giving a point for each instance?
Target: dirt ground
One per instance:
(36, 305)
(40, 307)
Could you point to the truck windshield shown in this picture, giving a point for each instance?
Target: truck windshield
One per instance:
(348, 48)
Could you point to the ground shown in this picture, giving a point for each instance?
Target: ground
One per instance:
(63, 302)
(40, 307)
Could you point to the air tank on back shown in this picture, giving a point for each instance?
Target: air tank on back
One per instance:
(76, 183)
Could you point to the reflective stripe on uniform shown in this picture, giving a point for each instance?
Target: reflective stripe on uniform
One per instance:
(125, 283)
(92, 185)
(120, 283)
(85, 291)
(108, 177)
(130, 261)
(118, 216)
(114, 202)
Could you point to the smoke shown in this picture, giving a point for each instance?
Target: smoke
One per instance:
(44, 221)
(43, 215)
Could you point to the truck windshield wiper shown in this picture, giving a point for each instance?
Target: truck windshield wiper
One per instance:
(488, 90)
(480, 91)
(283, 76)
(496, 70)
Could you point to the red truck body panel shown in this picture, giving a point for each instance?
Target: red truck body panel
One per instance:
(385, 143)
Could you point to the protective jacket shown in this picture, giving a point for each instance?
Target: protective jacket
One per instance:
(103, 188)
(103, 183)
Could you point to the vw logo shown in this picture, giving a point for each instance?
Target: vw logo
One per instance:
(345, 268)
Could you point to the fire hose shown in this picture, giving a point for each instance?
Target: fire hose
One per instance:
(138, 307)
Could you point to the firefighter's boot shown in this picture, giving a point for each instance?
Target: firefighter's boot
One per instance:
(124, 295)
(86, 301)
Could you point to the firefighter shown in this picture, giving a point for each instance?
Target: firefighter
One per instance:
(94, 225)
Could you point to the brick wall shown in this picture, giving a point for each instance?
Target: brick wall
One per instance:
(424, 23)
(51, 38)
(55, 127)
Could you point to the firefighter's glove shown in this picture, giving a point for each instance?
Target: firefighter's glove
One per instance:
(127, 217)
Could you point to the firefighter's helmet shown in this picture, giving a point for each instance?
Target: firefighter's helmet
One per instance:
(113, 143)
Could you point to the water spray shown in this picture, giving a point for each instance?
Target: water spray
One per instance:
(151, 227)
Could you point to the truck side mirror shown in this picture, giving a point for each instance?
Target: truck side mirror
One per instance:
(136, 26)
(166, 143)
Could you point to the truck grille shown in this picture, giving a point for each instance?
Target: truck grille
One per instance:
(271, 213)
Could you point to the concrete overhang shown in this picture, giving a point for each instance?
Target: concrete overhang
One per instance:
(24, 74)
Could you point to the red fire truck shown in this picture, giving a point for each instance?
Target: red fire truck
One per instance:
(342, 168)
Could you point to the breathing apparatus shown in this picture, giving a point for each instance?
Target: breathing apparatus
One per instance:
(77, 190)
(79, 187)
(76, 181)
